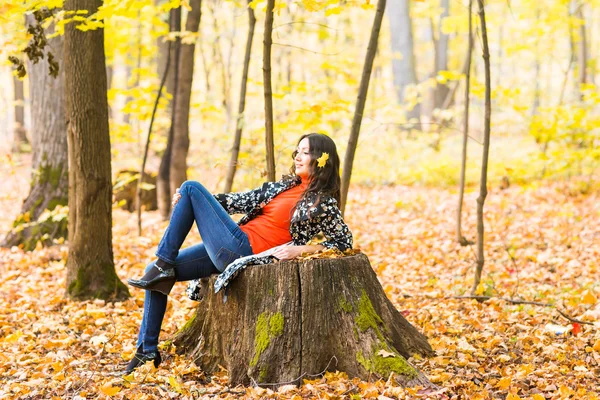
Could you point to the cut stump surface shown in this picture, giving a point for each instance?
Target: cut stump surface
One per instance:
(279, 323)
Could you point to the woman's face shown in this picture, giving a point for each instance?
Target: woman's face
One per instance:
(302, 159)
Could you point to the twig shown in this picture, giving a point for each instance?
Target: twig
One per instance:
(533, 303)
(514, 293)
(298, 378)
(97, 357)
(311, 51)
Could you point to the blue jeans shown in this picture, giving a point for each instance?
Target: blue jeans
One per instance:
(223, 242)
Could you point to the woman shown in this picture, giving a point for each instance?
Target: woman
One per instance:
(292, 210)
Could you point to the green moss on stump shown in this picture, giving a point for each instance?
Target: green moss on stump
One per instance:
(384, 366)
(266, 329)
(188, 324)
(264, 371)
(367, 317)
(345, 305)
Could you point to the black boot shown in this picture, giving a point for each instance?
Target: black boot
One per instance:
(141, 359)
(160, 278)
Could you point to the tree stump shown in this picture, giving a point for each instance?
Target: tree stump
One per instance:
(125, 190)
(278, 323)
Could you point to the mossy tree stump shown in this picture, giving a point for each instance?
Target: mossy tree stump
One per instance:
(279, 322)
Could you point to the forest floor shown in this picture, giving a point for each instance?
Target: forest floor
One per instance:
(542, 245)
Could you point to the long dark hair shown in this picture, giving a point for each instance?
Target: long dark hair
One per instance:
(323, 180)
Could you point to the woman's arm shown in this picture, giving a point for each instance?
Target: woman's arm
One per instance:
(287, 252)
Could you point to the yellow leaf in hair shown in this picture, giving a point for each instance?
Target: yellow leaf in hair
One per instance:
(323, 159)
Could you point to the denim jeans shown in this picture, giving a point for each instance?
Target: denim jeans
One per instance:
(222, 242)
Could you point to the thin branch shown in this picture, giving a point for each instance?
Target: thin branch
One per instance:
(311, 51)
(307, 23)
(298, 378)
(533, 303)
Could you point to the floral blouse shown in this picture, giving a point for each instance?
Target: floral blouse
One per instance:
(307, 221)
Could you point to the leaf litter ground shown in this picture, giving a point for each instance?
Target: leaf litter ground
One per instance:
(542, 245)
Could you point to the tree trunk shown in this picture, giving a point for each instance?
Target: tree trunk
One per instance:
(90, 266)
(163, 186)
(20, 140)
(49, 178)
(181, 133)
(280, 322)
(235, 150)
(581, 52)
(441, 58)
(269, 143)
(486, 148)
(463, 165)
(360, 103)
(405, 72)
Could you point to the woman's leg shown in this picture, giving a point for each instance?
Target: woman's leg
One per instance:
(191, 263)
(222, 237)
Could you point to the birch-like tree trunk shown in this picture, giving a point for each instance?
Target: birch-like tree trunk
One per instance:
(441, 57)
(19, 132)
(581, 52)
(404, 67)
(90, 266)
(486, 149)
(268, 91)
(360, 103)
(181, 136)
(163, 186)
(463, 165)
(49, 178)
(235, 150)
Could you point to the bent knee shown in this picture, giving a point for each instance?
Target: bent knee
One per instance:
(191, 184)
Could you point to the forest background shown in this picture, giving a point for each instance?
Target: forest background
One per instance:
(541, 214)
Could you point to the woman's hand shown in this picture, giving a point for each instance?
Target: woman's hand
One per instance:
(287, 252)
(176, 198)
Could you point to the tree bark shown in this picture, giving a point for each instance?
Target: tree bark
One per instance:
(181, 133)
(20, 140)
(486, 149)
(581, 52)
(239, 126)
(463, 165)
(268, 91)
(405, 72)
(49, 178)
(90, 266)
(163, 185)
(280, 322)
(441, 58)
(360, 103)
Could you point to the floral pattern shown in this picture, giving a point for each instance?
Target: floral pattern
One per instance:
(311, 217)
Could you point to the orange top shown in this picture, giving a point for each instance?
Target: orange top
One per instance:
(272, 227)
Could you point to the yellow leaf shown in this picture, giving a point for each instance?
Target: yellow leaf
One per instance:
(589, 298)
(175, 384)
(332, 11)
(504, 383)
(512, 396)
(110, 390)
(538, 396)
(321, 161)
(597, 346)
(565, 391)
(13, 337)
